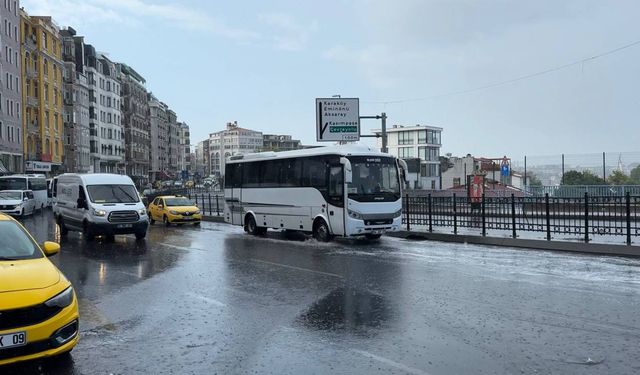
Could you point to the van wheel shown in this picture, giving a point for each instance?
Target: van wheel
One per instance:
(321, 231)
(166, 221)
(87, 233)
(63, 228)
(140, 235)
(151, 221)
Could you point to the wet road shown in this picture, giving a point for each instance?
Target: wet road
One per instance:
(211, 300)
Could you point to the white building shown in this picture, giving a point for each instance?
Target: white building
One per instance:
(107, 133)
(417, 142)
(158, 132)
(231, 141)
(11, 136)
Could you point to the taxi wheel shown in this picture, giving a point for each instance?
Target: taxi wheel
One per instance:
(166, 221)
(151, 221)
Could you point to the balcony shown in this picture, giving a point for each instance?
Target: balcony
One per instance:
(30, 42)
(32, 73)
(32, 101)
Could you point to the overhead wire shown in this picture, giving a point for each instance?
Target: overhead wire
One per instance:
(512, 80)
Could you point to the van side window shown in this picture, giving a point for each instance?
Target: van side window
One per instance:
(29, 194)
(81, 194)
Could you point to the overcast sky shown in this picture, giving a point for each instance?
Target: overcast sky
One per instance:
(262, 63)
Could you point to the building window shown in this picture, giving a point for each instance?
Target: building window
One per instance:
(405, 152)
(433, 137)
(405, 138)
(456, 182)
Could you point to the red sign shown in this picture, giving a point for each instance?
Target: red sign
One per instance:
(476, 188)
(45, 157)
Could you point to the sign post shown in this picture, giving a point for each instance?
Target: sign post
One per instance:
(337, 119)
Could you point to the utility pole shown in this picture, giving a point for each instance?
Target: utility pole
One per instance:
(383, 118)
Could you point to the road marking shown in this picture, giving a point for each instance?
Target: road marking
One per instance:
(400, 366)
(297, 268)
(207, 299)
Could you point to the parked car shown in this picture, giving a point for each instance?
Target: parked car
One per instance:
(17, 202)
(189, 184)
(171, 209)
(38, 307)
(99, 204)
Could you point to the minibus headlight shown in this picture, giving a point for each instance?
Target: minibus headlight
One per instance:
(99, 212)
(355, 215)
(397, 213)
(62, 300)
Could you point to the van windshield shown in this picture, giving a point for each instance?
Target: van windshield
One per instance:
(113, 194)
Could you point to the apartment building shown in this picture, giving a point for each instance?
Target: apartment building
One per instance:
(231, 141)
(185, 147)
(276, 142)
(77, 157)
(159, 137)
(11, 131)
(42, 69)
(105, 122)
(135, 120)
(417, 142)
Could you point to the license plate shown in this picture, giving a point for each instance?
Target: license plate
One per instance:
(11, 340)
(125, 225)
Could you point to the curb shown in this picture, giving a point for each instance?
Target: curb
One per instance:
(213, 219)
(585, 248)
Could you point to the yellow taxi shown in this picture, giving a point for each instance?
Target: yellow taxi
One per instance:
(171, 209)
(38, 307)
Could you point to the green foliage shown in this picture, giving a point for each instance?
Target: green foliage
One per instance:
(581, 178)
(634, 176)
(619, 178)
(534, 180)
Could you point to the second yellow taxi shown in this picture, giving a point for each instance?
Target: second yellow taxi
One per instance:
(171, 209)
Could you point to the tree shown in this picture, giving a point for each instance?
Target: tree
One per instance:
(618, 178)
(581, 178)
(634, 176)
(534, 180)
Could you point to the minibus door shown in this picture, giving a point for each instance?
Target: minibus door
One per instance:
(336, 200)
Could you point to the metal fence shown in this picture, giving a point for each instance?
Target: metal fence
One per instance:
(579, 190)
(211, 203)
(583, 216)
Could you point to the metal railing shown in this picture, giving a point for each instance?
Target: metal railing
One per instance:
(209, 203)
(584, 216)
(580, 190)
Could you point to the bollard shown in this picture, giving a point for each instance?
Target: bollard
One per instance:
(513, 215)
(546, 205)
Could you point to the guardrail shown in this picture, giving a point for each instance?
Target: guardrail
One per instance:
(584, 216)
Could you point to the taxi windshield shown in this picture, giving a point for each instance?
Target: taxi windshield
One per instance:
(15, 244)
(175, 202)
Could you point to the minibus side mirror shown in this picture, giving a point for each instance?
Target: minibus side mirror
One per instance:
(348, 174)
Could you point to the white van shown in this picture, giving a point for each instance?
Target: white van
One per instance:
(99, 204)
